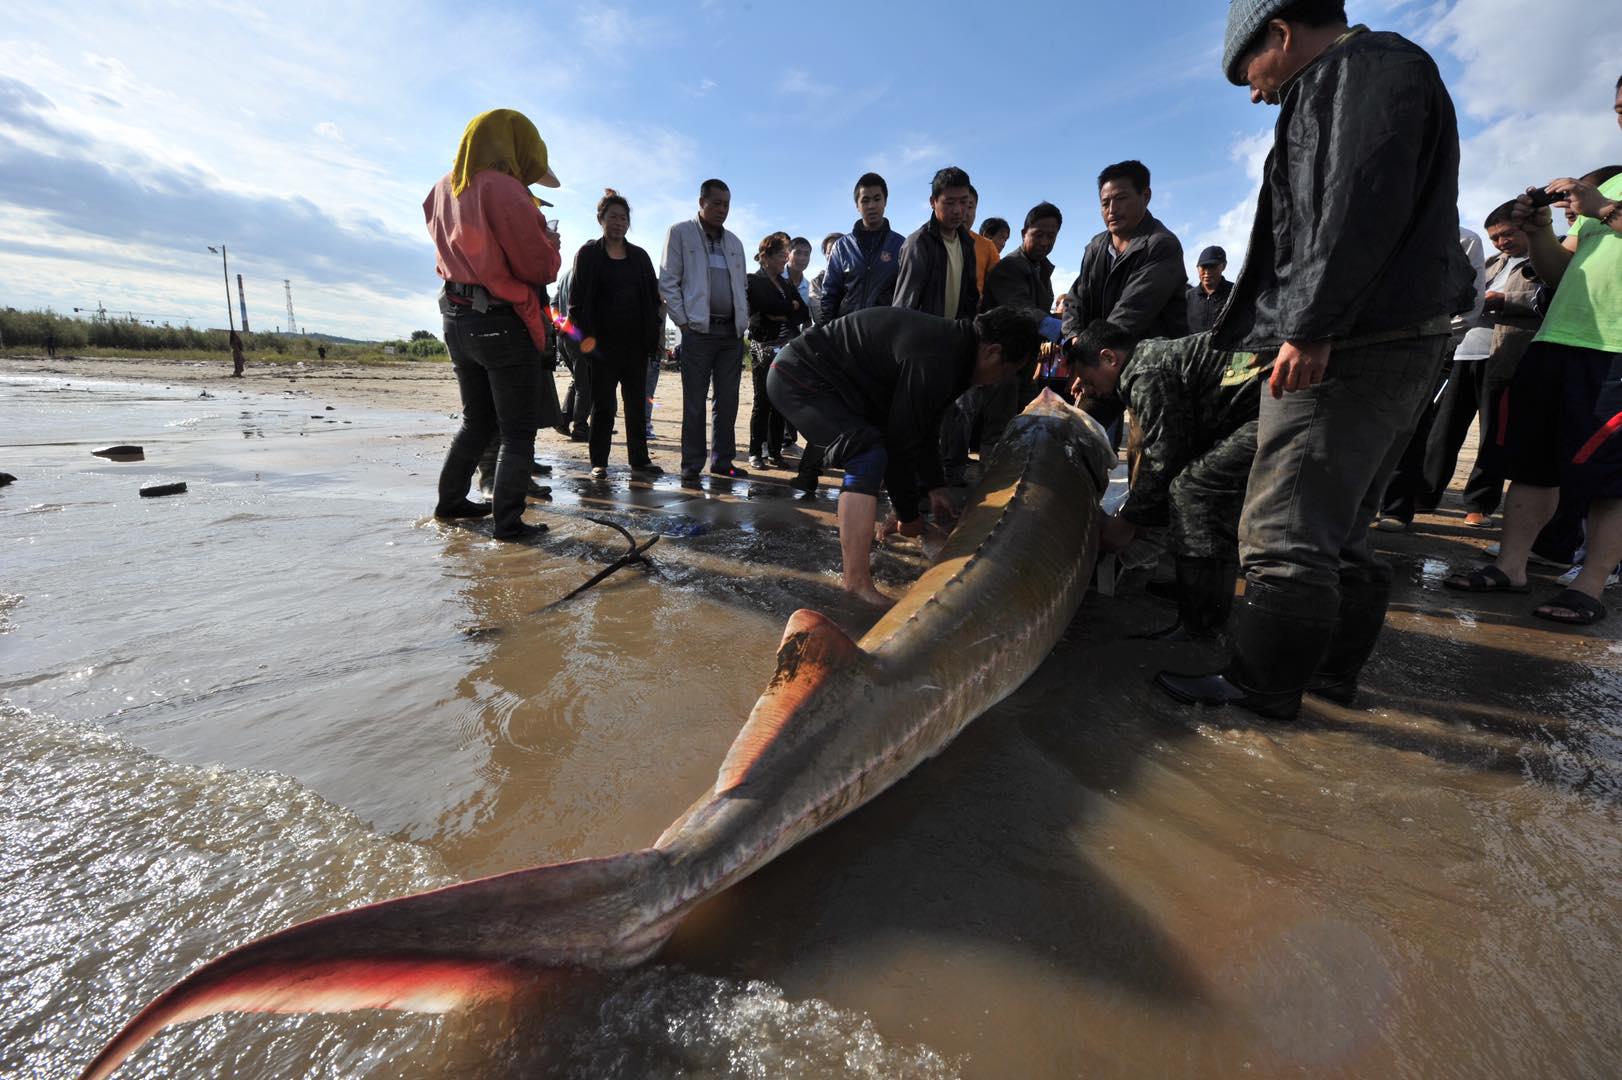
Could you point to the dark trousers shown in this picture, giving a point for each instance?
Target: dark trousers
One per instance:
(1323, 456)
(499, 372)
(709, 360)
(766, 424)
(630, 378)
(1208, 496)
(577, 401)
(1426, 467)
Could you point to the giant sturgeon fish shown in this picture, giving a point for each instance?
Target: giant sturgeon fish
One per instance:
(839, 722)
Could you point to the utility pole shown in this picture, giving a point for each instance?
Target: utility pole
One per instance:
(243, 300)
(292, 324)
(230, 319)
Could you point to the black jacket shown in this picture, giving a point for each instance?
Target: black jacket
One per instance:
(900, 370)
(1357, 225)
(1018, 282)
(768, 298)
(1203, 309)
(1142, 292)
(921, 282)
(590, 314)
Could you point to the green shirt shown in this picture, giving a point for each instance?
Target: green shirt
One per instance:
(1587, 307)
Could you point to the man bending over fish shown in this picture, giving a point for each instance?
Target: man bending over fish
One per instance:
(872, 387)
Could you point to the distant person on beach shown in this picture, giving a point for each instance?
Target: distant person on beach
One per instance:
(237, 359)
(871, 389)
(496, 256)
(321, 352)
(50, 340)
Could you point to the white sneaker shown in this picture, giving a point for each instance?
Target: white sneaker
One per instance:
(599, 472)
(1571, 575)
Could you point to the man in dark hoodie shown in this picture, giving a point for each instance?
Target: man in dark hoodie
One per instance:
(862, 269)
(937, 273)
(1353, 269)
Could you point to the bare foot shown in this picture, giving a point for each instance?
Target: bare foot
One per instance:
(871, 595)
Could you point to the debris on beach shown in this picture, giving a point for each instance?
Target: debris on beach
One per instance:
(154, 491)
(121, 452)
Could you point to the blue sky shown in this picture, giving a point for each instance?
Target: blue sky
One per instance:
(306, 136)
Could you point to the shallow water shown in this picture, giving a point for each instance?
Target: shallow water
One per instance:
(287, 692)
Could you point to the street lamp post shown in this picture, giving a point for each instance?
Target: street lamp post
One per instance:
(230, 319)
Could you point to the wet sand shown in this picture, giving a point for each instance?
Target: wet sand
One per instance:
(289, 691)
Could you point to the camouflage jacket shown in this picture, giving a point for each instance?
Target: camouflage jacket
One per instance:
(1185, 398)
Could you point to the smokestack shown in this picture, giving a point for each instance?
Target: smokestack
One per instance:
(242, 302)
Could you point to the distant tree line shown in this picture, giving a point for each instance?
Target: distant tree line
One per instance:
(32, 328)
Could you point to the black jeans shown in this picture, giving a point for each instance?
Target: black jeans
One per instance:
(766, 424)
(630, 377)
(499, 372)
(1426, 467)
(706, 359)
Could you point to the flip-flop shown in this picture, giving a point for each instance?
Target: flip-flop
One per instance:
(1584, 609)
(1487, 579)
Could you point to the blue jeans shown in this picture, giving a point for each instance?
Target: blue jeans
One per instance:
(499, 372)
(1323, 456)
(708, 359)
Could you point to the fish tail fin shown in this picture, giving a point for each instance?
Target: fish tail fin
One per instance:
(429, 952)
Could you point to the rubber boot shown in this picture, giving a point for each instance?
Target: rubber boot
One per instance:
(1204, 599)
(1362, 616)
(508, 500)
(1278, 641)
(454, 476)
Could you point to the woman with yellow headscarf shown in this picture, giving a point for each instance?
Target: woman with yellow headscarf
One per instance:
(496, 255)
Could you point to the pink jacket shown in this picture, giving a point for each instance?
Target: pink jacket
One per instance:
(493, 235)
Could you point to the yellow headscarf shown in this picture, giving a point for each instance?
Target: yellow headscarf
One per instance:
(504, 140)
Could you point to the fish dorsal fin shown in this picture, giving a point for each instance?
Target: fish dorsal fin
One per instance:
(813, 649)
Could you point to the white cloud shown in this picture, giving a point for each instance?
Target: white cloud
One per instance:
(328, 130)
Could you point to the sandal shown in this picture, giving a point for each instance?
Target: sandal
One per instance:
(1484, 579)
(1581, 609)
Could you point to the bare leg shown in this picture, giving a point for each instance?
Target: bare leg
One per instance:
(1604, 547)
(857, 514)
(1527, 509)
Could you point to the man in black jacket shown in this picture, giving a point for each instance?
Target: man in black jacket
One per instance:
(1353, 268)
(1206, 296)
(1132, 273)
(871, 388)
(937, 260)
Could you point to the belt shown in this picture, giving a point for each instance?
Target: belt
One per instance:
(476, 295)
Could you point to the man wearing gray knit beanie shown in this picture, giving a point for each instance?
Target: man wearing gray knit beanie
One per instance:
(1352, 272)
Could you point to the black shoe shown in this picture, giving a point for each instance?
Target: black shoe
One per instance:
(807, 484)
(731, 472)
(524, 533)
(756, 461)
(540, 491)
(467, 508)
(537, 469)
(691, 480)
(1279, 637)
(646, 469)
(1362, 616)
(579, 434)
(776, 461)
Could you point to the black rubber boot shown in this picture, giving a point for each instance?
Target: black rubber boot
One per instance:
(508, 500)
(1204, 599)
(1278, 640)
(1362, 616)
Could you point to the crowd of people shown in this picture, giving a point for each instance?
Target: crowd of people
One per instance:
(1270, 421)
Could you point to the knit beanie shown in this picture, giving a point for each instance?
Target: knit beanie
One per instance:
(1245, 20)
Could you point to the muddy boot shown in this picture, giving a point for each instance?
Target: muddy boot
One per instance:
(1362, 616)
(1204, 598)
(1278, 641)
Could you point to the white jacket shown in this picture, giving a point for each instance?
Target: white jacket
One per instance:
(684, 278)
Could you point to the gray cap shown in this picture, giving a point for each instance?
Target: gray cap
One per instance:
(1211, 255)
(1245, 20)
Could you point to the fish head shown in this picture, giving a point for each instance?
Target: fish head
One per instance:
(1085, 441)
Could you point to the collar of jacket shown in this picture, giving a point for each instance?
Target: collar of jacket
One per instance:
(933, 226)
(1140, 236)
(704, 230)
(884, 226)
(1350, 33)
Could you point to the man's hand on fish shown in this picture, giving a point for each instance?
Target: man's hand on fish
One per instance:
(1115, 533)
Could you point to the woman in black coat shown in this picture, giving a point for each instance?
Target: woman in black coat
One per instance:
(614, 306)
(776, 316)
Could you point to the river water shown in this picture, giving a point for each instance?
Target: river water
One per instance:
(287, 692)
